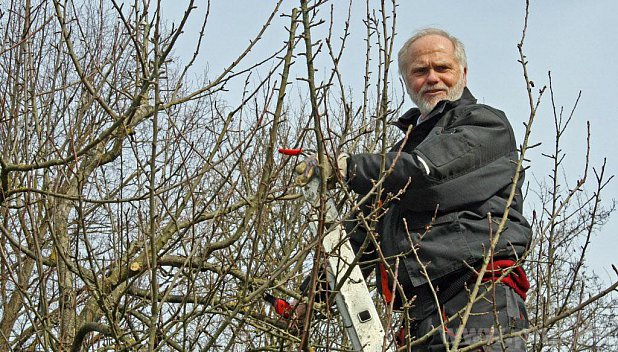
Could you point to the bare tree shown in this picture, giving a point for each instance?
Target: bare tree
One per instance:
(144, 209)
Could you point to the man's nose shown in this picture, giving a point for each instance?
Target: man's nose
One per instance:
(432, 77)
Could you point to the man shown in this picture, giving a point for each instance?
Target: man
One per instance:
(446, 188)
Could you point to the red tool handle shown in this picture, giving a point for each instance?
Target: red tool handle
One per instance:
(292, 152)
(282, 307)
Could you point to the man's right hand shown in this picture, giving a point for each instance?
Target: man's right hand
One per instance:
(307, 168)
(299, 313)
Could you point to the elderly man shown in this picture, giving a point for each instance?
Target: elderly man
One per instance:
(446, 187)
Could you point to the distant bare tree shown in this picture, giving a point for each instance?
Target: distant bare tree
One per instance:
(564, 228)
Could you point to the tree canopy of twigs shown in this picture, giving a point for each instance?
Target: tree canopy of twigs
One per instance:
(144, 206)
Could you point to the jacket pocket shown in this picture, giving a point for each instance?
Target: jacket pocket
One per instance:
(442, 247)
(444, 146)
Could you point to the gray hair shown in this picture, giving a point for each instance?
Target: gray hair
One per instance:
(403, 56)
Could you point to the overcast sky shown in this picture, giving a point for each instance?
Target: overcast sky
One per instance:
(576, 40)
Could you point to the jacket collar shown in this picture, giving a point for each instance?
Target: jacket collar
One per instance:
(411, 116)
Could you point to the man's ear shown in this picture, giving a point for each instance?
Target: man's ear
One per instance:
(465, 76)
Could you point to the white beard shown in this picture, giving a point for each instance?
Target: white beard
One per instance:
(425, 106)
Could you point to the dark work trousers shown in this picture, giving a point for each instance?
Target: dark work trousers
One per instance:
(481, 325)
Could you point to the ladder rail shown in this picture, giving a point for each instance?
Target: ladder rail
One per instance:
(358, 312)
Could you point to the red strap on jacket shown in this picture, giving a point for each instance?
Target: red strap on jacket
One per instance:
(386, 289)
(516, 279)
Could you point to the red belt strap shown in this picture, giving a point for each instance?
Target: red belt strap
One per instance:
(516, 278)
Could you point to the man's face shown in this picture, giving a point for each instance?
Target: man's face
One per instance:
(433, 73)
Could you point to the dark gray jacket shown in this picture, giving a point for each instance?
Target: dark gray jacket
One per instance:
(460, 162)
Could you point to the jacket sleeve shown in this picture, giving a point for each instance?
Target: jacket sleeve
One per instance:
(468, 161)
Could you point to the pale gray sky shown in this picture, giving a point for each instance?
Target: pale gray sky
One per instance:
(576, 40)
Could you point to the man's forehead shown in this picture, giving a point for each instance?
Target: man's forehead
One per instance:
(433, 58)
(434, 47)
